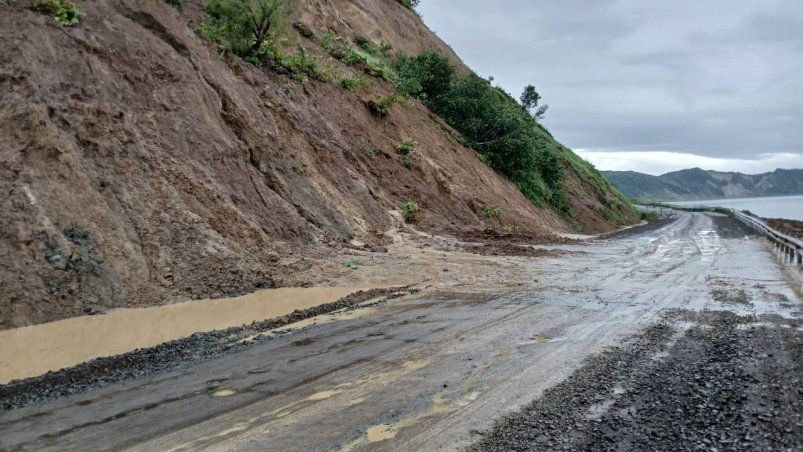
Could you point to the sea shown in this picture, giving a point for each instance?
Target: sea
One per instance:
(789, 207)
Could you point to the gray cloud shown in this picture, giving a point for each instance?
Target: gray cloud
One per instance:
(713, 78)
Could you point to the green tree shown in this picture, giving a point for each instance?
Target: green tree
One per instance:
(244, 24)
(530, 99)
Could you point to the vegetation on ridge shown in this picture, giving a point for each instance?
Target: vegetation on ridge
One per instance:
(504, 132)
(501, 130)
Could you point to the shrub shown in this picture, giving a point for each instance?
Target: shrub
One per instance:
(64, 11)
(648, 215)
(550, 167)
(407, 161)
(288, 91)
(427, 77)
(244, 25)
(178, 4)
(410, 4)
(303, 30)
(301, 63)
(491, 212)
(409, 211)
(364, 42)
(406, 147)
(509, 228)
(381, 107)
(355, 83)
(353, 265)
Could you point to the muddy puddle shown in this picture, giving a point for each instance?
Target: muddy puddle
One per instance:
(31, 351)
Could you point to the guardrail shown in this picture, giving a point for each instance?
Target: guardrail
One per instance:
(790, 247)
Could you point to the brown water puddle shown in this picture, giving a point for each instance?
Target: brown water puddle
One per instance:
(31, 351)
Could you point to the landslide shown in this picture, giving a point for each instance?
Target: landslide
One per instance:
(140, 165)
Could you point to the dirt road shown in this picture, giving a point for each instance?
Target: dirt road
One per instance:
(685, 336)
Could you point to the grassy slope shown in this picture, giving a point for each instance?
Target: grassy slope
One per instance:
(621, 211)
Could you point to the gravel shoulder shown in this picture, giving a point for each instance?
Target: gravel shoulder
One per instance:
(696, 381)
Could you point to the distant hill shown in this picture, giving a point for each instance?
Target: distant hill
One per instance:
(696, 184)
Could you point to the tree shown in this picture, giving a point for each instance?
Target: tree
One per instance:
(244, 24)
(530, 99)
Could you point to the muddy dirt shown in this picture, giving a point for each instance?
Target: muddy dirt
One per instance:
(793, 228)
(167, 356)
(729, 228)
(653, 225)
(423, 372)
(140, 166)
(510, 249)
(725, 382)
(31, 351)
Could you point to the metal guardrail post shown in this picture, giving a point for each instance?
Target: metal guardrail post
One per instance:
(791, 248)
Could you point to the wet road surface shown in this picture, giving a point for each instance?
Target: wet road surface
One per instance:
(431, 370)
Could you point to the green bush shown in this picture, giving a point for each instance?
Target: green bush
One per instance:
(304, 30)
(381, 107)
(355, 83)
(178, 4)
(352, 265)
(427, 77)
(64, 11)
(406, 147)
(410, 4)
(243, 26)
(409, 211)
(491, 212)
(648, 215)
(372, 59)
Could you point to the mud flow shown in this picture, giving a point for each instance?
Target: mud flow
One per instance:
(31, 351)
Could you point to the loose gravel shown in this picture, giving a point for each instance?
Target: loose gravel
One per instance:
(697, 381)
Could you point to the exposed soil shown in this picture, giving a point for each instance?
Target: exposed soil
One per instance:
(141, 166)
(168, 356)
(510, 249)
(636, 230)
(495, 236)
(793, 228)
(730, 228)
(724, 383)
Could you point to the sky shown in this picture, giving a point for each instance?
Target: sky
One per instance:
(647, 85)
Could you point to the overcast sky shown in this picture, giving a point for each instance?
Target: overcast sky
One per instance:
(647, 85)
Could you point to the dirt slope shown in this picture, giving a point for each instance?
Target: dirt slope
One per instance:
(139, 166)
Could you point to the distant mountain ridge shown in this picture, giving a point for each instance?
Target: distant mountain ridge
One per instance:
(698, 184)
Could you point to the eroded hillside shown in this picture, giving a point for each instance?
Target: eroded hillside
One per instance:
(141, 165)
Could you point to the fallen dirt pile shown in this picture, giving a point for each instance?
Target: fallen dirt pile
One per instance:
(726, 383)
(731, 228)
(169, 356)
(788, 227)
